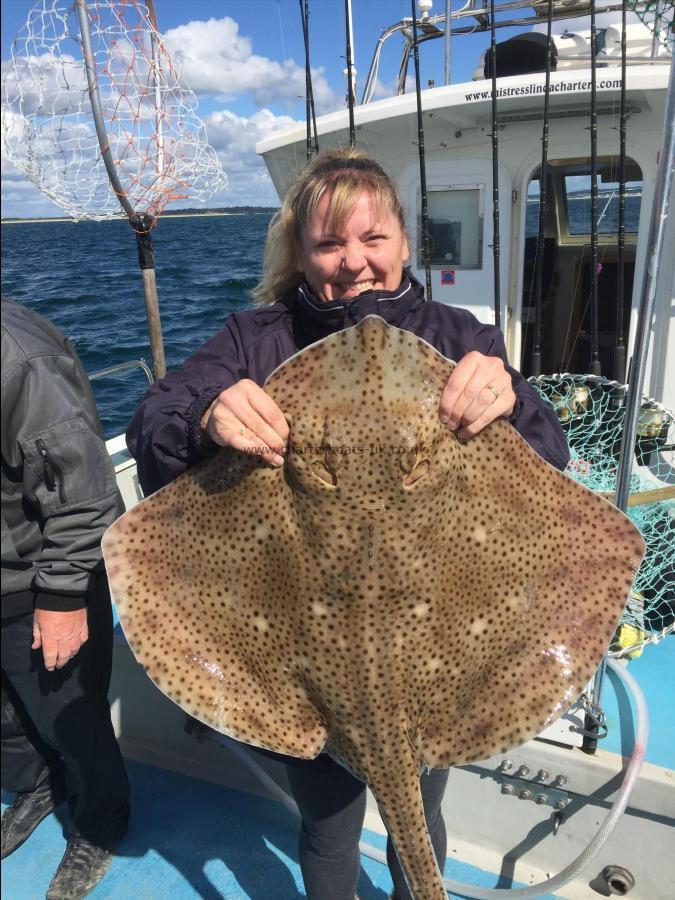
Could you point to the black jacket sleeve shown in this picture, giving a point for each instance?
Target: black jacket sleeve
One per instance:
(164, 435)
(51, 434)
(533, 417)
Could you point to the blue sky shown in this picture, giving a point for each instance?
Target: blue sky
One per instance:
(244, 59)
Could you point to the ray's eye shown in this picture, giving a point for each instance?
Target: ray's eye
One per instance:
(414, 466)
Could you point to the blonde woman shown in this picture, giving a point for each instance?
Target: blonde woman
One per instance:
(335, 253)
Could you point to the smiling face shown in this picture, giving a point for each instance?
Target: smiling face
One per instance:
(366, 253)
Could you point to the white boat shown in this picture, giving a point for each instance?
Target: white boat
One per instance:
(528, 815)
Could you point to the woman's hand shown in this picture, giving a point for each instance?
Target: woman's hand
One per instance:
(244, 417)
(479, 391)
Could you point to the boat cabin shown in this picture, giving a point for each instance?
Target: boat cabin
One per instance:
(457, 120)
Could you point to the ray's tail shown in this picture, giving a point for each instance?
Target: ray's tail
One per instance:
(400, 803)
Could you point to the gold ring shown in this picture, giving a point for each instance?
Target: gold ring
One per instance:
(491, 387)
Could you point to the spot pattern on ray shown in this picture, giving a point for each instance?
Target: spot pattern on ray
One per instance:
(391, 595)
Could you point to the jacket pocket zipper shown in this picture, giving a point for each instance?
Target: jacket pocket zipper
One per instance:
(53, 474)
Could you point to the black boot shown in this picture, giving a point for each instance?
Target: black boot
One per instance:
(21, 819)
(82, 867)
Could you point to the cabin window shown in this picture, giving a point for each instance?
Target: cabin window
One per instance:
(455, 227)
(567, 276)
(577, 189)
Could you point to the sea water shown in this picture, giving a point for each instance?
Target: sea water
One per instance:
(84, 277)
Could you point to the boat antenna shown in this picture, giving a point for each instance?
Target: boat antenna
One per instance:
(619, 349)
(149, 146)
(309, 93)
(543, 191)
(595, 357)
(495, 168)
(350, 74)
(426, 255)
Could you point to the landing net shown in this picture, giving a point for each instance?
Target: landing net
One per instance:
(658, 16)
(158, 143)
(591, 411)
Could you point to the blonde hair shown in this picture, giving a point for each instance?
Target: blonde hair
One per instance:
(346, 174)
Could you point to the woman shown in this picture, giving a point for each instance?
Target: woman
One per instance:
(335, 253)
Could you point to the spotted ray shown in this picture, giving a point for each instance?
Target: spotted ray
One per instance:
(391, 595)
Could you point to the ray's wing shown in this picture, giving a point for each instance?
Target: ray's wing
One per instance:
(531, 596)
(202, 574)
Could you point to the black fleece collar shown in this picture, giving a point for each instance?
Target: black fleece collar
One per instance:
(333, 315)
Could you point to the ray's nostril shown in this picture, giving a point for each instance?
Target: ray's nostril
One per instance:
(322, 471)
(419, 470)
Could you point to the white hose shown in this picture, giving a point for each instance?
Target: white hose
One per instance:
(603, 833)
(574, 868)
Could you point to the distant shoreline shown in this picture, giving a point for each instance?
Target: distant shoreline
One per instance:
(254, 210)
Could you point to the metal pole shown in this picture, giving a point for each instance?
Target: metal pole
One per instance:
(159, 123)
(143, 225)
(140, 223)
(308, 102)
(619, 348)
(97, 109)
(657, 24)
(594, 367)
(310, 111)
(448, 29)
(350, 79)
(655, 248)
(535, 367)
(423, 170)
(495, 172)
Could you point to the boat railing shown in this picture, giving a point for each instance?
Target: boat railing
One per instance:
(121, 367)
(449, 24)
(125, 465)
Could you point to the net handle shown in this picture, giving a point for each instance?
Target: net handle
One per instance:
(96, 109)
(141, 224)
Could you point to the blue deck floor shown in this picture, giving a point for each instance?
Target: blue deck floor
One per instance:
(189, 839)
(654, 671)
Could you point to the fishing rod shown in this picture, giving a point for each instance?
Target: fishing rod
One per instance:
(592, 723)
(350, 77)
(495, 168)
(595, 357)
(619, 349)
(535, 368)
(423, 170)
(310, 116)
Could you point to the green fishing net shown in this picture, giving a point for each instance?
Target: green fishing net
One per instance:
(591, 411)
(658, 16)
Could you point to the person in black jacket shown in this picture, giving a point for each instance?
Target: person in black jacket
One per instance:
(59, 495)
(335, 253)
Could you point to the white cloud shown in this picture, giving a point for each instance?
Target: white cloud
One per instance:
(22, 200)
(44, 85)
(215, 58)
(383, 89)
(234, 139)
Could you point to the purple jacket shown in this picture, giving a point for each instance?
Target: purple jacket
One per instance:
(164, 435)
